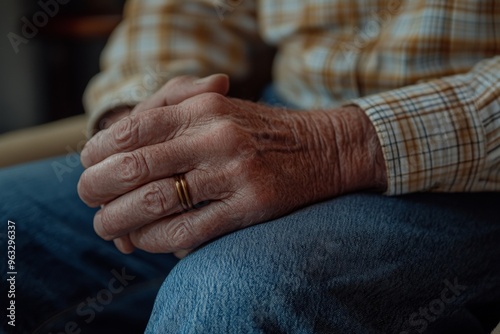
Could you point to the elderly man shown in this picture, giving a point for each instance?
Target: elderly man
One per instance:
(359, 196)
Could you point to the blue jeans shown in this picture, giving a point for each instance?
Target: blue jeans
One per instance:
(361, 263)
(66, 276)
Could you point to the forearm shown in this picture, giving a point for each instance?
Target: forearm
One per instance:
(344, 152)
(364, 166)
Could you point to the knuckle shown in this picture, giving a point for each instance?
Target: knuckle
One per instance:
(182, 236)
(106, 226)
(232, 140)
(231, 133)
(213, 101)
(132, 167)
(126, 132)
(245, 149)
(214, 98)
(239, 167)
(153, 201)
(230, 129)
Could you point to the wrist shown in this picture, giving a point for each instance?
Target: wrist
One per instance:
(345, 152)
(362, 164)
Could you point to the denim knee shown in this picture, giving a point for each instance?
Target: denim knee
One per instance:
(360, 264)
(236, 282)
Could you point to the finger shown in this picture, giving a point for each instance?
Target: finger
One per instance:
(132, 132)
(124, 244)
(188, 230)
(175, 91)
(152, 202)
(154, 126)
(124, 172)
(183, 87)
(113, 116)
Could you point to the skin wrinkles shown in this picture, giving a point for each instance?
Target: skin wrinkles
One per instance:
(250, 162)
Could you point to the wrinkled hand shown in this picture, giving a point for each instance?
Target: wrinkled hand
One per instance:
(173, 92)
(251, 162)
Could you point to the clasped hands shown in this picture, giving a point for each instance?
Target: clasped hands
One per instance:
(246, 162)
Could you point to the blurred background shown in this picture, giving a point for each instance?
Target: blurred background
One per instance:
(49, 50)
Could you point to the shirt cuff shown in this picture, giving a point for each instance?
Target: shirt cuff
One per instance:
(431, 136)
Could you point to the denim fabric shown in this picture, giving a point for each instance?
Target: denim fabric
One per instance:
(360, 263)
(271, 97)
(64, 270)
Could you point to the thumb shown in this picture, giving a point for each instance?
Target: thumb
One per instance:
(182, 88)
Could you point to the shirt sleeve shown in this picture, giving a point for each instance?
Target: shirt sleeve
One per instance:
(442, 135)
(158, 40)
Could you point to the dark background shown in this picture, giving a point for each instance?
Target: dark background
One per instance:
(45, 79)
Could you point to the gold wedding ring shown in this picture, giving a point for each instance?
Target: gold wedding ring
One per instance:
(183, 192)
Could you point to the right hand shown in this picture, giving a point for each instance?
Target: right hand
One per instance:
(173, 92)
(250, 162)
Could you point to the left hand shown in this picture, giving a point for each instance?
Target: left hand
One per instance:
(251, 162)
(173, 92)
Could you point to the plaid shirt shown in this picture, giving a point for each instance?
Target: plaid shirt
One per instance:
(426, 72)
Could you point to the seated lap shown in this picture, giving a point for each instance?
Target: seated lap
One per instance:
(358, 263)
